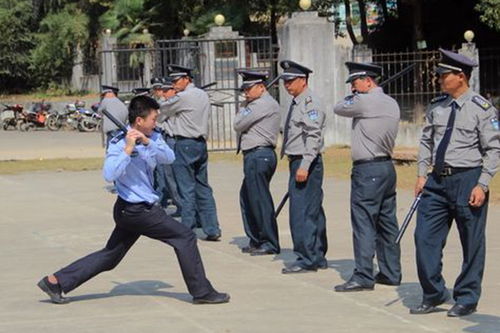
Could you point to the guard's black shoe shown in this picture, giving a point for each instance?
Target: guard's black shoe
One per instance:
(350, 286)
(323, 265)
(459, 310)
(213, 238)
(262, 252)
(294, 269)
(386, 281)
(248, 249)
(424, 308)
(212, 298)
(53, 290)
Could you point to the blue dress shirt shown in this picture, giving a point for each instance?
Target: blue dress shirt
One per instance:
(134, 174)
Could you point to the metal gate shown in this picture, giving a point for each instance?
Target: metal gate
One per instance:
(215, 63)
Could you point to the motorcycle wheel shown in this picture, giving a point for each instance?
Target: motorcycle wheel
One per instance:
(52, 123)
(5, 124)
(86, 126)
(24, 127)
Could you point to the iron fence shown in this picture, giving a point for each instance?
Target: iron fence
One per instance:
(489, 74)
(212, 60)
(415, 89)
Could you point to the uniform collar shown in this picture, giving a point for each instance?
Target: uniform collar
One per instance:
(303, 95)
(461, 99)
(376, 90)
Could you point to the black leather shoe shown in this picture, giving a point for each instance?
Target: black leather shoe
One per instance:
(248, 249)
(323, 266)
(424, 308)
(213, 238)
(387, 282)
(459, 310)
(212, 298)
(262, 252)
(294, 269)
(350, 286)
(53, 290)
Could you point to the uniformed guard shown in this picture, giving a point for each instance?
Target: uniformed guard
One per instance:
(156, 84)
(130, 161)
(141, 91)
(257, 125)
(303, 143)
(375, 119)
(189, 110)
(460, 140)
(169, 187)
(111, 103)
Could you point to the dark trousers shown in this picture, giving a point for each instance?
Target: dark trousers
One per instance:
(165, 183)
(374, 222)
(191, 173)
(132, 221)
(307, 218)
(256, 202)
(446, 199)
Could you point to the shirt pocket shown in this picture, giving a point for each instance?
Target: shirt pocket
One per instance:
(465, 133)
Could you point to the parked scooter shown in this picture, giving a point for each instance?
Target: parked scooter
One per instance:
(11, 116)
(35, 117)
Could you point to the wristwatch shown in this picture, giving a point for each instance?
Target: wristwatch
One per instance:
(484, 187)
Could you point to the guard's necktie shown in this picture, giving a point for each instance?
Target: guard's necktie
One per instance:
(441, 150)
(285, 130)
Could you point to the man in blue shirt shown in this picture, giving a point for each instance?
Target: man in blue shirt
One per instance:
(130, 162)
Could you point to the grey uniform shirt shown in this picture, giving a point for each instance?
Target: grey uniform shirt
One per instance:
(258, 123)
(305, 129)
(117, 109)
(374, 124)
(475, 139)
(189, 110)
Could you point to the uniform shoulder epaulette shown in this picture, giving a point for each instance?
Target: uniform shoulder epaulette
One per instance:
(158, 129)
(117, 138)
(483, 104)
(439, 98)
(308, 100)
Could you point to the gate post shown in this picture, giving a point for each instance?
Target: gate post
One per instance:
(108, 60)
(469, 50)
(310, 40)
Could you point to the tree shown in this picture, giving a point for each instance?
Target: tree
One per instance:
(60, 34)
(15, 44)
(490, 10)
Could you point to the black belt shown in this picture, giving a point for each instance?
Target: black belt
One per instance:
(374, 159)
(180, 137)
(257, 148)
(450, 171)
(142, 203)
(299, 157)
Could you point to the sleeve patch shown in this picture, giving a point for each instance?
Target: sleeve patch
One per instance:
(483, 104)
(245, 111)
(494, 123)
(439, 98)
(349, 100)
(313, 114)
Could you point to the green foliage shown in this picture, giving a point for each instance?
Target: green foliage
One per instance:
(15, 44)
(60, 35)
(490, 10)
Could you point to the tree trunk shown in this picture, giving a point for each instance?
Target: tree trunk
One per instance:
(362, 16)
(348, 21)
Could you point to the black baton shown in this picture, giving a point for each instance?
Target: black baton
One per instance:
(408, 217)
(282, 203)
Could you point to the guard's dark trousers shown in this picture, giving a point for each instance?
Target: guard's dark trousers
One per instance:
(446, 199)
(307, 217)
(191, 174)
(257, 207)
(132, 221)
(165, 181)
(374, 222)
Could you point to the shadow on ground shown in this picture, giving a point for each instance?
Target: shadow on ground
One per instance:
(135, 288)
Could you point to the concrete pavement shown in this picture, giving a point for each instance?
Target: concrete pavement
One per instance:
(50, 219)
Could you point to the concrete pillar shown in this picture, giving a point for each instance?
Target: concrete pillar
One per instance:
(77, 73)
(108, 61)
(310, 40)
(469, 50)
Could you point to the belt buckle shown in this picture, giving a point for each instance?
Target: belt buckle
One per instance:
(446, 172)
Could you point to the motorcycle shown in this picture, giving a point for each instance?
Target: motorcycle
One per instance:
(35, 117)
(11, 116)
(76, 117)
(91, 120)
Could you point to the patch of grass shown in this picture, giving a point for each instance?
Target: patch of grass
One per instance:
(63, 164)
